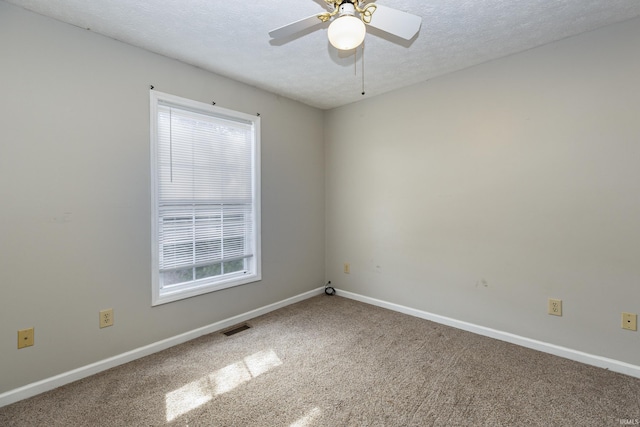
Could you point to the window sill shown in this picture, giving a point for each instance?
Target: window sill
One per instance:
(179, 294)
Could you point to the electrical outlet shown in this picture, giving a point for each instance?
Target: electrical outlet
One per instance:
(555, 307)
(25, 338)
(347, 268)
(630, 321)
(106, 318)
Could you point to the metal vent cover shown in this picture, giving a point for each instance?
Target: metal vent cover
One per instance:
(236, 329)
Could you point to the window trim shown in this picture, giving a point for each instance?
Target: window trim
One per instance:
(197, 287)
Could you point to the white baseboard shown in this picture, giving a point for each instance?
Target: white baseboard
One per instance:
(567, 353)
(47, 384)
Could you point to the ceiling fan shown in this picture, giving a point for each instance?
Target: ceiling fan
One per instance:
(347, 31)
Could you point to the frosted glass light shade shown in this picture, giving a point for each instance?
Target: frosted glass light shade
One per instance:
(347, 32)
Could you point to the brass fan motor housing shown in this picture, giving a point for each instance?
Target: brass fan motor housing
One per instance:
(366, 12)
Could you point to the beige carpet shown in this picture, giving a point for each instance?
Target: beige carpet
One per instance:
(331, 361)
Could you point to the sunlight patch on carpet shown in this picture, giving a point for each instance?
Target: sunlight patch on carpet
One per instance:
(308, 419)
(229, 377)
(186, 398)
(201, 391)
(261, 362)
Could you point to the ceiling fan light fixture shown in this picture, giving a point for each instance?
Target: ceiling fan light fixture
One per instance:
(346, 32)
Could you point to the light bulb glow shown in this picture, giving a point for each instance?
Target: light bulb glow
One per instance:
(347, 32)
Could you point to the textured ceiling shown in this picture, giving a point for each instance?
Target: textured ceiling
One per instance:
(231, 38)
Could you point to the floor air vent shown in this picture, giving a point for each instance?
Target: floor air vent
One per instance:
(236, 329)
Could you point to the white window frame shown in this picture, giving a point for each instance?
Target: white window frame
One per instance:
(210, 284)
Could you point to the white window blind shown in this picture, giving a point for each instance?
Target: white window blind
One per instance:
(205, 198)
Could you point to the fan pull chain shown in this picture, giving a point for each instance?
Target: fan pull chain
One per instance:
(362, 68)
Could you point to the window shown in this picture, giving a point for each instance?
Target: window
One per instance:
(205, 168)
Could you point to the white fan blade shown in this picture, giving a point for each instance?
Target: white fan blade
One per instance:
(295, 27)
(396, 22)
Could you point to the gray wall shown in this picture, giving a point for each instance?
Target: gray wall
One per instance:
(480, 194)
(75, 197)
